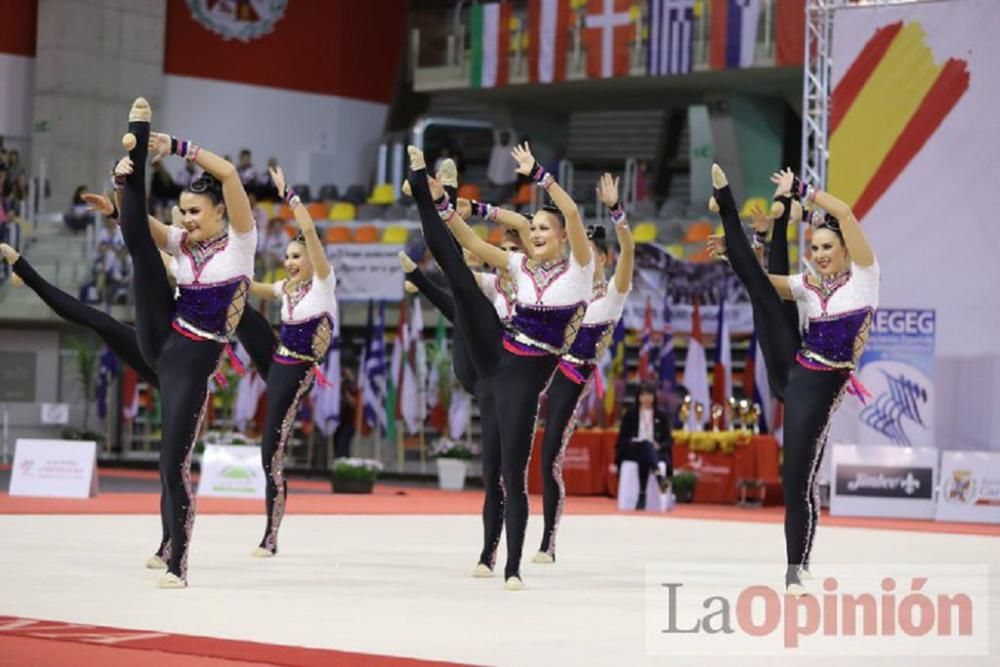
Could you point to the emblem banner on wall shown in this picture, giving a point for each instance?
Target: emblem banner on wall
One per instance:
(367, 271)
(897, 367)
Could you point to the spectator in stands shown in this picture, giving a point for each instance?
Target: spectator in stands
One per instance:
(79, 215)
(273, 246)
(260, 217)
(15, 169)
(501, 172)
(266, 190)
(344, 434)
(642, 178)
(112, 264)
(644, 437)
(247, 174)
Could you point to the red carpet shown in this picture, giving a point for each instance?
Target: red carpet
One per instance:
(32, 642)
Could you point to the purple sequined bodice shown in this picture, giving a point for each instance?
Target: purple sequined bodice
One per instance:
(584, 347)
(300, 337)
(206, 307)
(546, 327)
(830, 340)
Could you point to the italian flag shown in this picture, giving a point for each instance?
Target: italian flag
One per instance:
(489, 27)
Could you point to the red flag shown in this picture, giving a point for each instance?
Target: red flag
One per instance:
(550, 23)
(790, 32)
(608, 27)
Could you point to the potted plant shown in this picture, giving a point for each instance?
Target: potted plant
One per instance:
(683, 484)
(354, 475)
(451, 462)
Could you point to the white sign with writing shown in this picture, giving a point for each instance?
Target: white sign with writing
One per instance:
(367, 271)
(884, 480)
(54, 468)
(231, 471)
(55, 413)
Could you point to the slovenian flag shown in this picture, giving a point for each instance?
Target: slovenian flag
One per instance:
(489, 30)
(734, 33)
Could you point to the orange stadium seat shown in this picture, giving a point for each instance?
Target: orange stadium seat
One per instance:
(470, 191)
(291, 231)
(285, 212)
(523, 195)
(317, 210)
(698, 232)
(496, 235)
(338, 234)
(366, 234)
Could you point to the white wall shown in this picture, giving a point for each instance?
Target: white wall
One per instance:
(933, 229)
(17, 87)
(291, 126)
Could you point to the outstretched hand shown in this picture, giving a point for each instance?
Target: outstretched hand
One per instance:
(783, 182)
(525, 160)
(716, 246)
(278, 176)
(760, 221)
(607, 189)
(99, 203)
(159, 146)
(124, 166)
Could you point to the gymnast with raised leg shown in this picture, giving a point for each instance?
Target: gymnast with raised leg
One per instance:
(185, 339)
(837, 306)
(497, 289)
(576, 367)
(552, 293)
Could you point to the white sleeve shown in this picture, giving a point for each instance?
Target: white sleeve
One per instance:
(175, 236)
(616, 300)
(487, 283)
(279, 289)
(246, 242)
(796, 286)
(514, 262)
(868, 277)
(328, 285)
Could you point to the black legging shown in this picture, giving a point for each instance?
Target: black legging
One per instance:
(184, 365)
(813, 395)
(493, 501)
(523, 379)
(286, 385)
(118, 336)
(778, 337)
(475, 317)
(564, 396)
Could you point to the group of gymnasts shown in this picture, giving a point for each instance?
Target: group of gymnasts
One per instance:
(531, 316)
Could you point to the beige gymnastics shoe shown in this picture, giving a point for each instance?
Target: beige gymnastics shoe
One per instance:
(543, 558)
(154, 562)
(719, 179)
(481, 571)
(140, 111)
(170, 580)
(514, 584)
(448, 173)
(261, 552)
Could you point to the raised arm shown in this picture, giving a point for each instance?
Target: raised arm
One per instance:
(528, 166)
(607, 192)
(100, 203)
(424, 187)
(854, 237)
(857, 243)
(237, 202)
(507, 218)
(314, 248)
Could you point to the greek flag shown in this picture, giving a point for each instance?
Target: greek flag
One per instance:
(670, 23)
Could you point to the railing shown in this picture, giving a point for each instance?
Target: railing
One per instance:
(440, 57)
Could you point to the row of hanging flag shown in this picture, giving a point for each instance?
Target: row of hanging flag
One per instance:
(610, 28)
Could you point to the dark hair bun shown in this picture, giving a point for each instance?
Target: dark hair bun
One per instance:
(596, 233)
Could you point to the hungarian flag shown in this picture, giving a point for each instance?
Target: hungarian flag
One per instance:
(489, 30)
(696, 368)
(733, 35)
(439, 380)
(550, 24)
(608, 27)
(722, 374)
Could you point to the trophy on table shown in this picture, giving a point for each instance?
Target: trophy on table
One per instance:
(685, 412)
(755, 417)
(731, 413)
(744, 410)
(699, 415)
(717, 411)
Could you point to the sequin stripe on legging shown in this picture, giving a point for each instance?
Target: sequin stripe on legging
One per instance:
(812, 487)
(549, 539)
(186, 478)
(278, 463)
